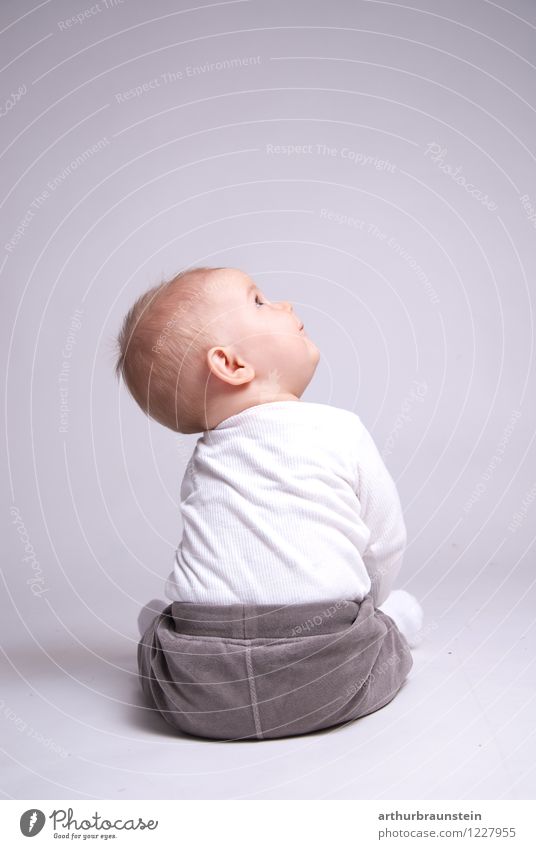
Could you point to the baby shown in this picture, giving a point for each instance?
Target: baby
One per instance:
(283, 501)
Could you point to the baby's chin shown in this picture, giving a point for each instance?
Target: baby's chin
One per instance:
(314, 346)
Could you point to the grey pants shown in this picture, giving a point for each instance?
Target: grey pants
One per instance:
(252, 672)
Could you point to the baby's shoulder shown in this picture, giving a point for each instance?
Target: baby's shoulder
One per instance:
(337, 417)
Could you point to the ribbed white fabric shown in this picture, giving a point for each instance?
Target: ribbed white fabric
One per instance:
(286, 502)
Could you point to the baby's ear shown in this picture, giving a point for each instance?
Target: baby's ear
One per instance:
(226, 365)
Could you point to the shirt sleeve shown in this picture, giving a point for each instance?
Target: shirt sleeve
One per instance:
(382, 514)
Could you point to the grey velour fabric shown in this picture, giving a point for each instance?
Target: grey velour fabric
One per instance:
(255, 672)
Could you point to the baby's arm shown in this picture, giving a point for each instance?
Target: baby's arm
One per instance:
(382, 514)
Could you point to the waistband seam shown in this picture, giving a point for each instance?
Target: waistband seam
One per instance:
(244, 641)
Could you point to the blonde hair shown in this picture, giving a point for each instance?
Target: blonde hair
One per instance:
(161, 348)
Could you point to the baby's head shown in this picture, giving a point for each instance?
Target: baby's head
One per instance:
(207, 344)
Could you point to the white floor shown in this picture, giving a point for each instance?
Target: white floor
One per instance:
(462, 727)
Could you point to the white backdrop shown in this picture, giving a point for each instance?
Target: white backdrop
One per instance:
(373, 163)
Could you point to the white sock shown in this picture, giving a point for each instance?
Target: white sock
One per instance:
(407, 613)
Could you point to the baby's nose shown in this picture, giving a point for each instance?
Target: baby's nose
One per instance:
(286, 305)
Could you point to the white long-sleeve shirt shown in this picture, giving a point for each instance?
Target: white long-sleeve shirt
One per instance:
(286, 502)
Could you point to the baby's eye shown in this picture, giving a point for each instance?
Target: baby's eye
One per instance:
(259, 303)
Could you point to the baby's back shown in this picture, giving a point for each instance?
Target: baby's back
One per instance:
(271, 509)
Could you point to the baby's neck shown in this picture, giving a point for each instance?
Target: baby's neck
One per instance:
(225, 408)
